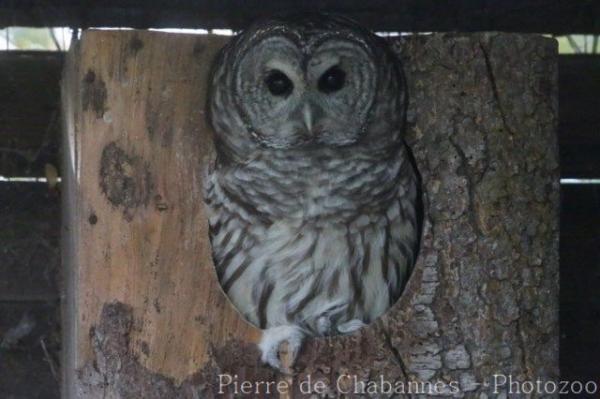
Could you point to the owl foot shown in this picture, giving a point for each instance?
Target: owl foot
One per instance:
(324, 325)
(275, 353)
(350, 326)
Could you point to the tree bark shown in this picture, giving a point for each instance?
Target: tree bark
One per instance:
(146, 315)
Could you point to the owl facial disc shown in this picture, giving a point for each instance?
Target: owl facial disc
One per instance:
(305, 89)
(305, 82)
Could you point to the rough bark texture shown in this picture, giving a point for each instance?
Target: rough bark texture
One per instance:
(483, 299)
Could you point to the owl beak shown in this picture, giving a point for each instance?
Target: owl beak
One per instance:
(307, 116)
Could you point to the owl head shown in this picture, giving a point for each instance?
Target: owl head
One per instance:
(302, 82)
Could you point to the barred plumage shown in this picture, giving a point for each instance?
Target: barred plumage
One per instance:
(313, 224)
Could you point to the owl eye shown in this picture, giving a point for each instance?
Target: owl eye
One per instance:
(332, 80)
(278, 83)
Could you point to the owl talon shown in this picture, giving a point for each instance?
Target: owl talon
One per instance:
(350, 326)
(274, 354)
(324, 325)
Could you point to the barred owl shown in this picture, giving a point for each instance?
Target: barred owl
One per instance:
(312, 198)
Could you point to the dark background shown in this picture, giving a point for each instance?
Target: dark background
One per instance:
(29, 140)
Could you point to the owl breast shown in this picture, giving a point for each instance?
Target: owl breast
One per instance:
(318, 254)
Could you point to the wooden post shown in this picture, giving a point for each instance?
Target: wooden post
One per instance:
(145, 316)
(137, 253)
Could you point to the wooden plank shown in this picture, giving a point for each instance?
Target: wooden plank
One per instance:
(579, 127)
(27, 375)
(29, 254)
(135, 227)
(579, 83)
(580, 160)
(29, 111)
(29, 349)
(580, 273)
(546, 16)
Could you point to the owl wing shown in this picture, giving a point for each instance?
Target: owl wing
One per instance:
(233, 233)
(404, 227)
(225, 229)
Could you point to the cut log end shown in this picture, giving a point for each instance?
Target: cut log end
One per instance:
(483, 298)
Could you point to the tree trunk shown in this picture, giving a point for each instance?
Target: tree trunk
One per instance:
(145, 314)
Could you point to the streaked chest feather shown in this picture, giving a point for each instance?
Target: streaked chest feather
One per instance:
(313, 253)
